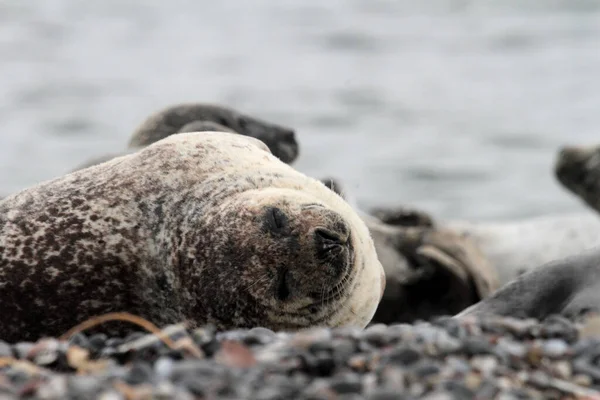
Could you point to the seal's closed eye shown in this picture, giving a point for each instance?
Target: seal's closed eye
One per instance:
(283, 290)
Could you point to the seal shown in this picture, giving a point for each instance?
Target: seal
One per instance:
(279, 139)
(195, 126)
(569, 287)
(517, 246)
(207, 227)
(577, 168)
(430, 271)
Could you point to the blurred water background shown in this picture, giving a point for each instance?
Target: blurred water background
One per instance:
(454, 106)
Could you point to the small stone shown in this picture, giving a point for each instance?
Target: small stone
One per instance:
(403, 355)
(473, 381)
(484, 364)
(140, 373)
(83, 386)
(79, 339)
(44, 352)
(440, 395)
(376, 335)
(510, 347)
(555, 348)
(388, 394)
(97, 342)
(110, 394)
(451, 325)
(306, 337)
(477, 345)
(234, 354)
(582, 380)
(320, 345)
(53, 388)
(487, 390)
(21, 349)
(342, 349)
(458, 390)
(5, 349)
(426, 369)
(163, 367)
(350, 383)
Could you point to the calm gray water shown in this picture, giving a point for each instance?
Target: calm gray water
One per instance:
(454, 106)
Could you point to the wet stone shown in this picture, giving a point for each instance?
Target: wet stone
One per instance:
(403, 355)
(5, 350)
(80, 339)
(22, 349)
(140, 373)
(97, 341)
(458, 390)
(475, 346)
(346, 384)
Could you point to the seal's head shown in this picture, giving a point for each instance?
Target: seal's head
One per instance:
(285, 253)
(577, 168)
(280, 140)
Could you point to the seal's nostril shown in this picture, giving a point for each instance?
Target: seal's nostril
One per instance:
(328, 238)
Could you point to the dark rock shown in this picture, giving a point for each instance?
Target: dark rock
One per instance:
(404, 356)
(349, 383)
(140, 373)
(476, 346)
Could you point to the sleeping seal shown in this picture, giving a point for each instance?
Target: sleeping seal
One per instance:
(207, 227)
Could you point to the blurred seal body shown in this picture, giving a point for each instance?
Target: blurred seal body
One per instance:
(206, 227)
(178, 118)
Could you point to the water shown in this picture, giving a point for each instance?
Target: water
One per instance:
(456, 107)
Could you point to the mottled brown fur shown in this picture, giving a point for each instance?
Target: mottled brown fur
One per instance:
(202, 227)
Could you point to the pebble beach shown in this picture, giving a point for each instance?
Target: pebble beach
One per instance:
(451, 106)
(446, 358)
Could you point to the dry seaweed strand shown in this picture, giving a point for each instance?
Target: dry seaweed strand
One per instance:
(119, 316)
